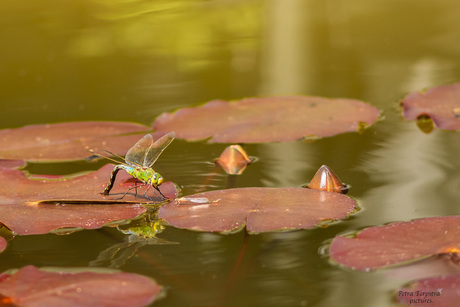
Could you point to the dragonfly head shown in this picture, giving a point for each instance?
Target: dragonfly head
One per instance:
(157, 179)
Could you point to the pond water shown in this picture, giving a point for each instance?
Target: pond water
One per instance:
(132, 60)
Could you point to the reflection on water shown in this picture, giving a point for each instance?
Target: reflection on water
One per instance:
(409, 169)
(117, 254)
(282, 164)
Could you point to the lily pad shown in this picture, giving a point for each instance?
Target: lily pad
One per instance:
(67, 141)
(259, 209)
(441, 104)
(272, 119)
(442, 264)
(2, 244)
(37, 206)
(397, 243)
(30, 286)
(12, 163)
(437, 291)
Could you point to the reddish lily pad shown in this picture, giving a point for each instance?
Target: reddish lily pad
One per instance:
(30, 286)
(67, 141)
(37, 206)
(259, 209)
(12, 163)
(272, 119)
(437, 291)
(397, 243)
(441, 104)
(442, 264)
(2, 244)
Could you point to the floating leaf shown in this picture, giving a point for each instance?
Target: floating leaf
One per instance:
(259, 209)
(36, 206)
(67, 141)
(273, 119)
(440, 104)
(442, 264)
(438, 291)
(30, 286)
(2, 244)
(234, 160)
(396, 243)
(12, 163)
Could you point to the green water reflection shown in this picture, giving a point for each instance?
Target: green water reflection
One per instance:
(132, 60)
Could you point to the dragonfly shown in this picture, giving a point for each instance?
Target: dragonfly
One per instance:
(139, 160)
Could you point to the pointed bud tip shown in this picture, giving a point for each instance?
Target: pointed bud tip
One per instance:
(326, 180)
(233, 160)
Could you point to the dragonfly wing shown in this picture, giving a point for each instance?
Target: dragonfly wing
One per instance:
(157, 148)
(136, 154)
(145, 152)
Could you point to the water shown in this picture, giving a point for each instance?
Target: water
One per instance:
(133, 60)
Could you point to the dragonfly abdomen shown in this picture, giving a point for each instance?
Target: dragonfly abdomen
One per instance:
(115, 170)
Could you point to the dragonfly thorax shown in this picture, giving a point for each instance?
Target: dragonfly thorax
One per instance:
(144, 174)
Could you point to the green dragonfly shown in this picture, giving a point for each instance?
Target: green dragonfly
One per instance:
(139, 161)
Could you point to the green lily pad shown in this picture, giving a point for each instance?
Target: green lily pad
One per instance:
(30, 286)
(67, 141)
(397, 243)
(440, 104)
(271, 119)
(257, 209)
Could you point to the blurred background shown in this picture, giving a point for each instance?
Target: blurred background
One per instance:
(132, 60)
(125, 60)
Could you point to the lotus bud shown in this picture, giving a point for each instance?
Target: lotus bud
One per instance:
(326, 180)
(233, 160)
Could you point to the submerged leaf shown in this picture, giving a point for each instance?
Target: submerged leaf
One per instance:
(36, 206)
(439, 104)
(259, 209)
(271, 119)
(397, 243)
(30, 286)
(425, 123)
(67, 141)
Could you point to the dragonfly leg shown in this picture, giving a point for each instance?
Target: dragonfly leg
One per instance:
(146, 190)
(134, 187)
(158, 189)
